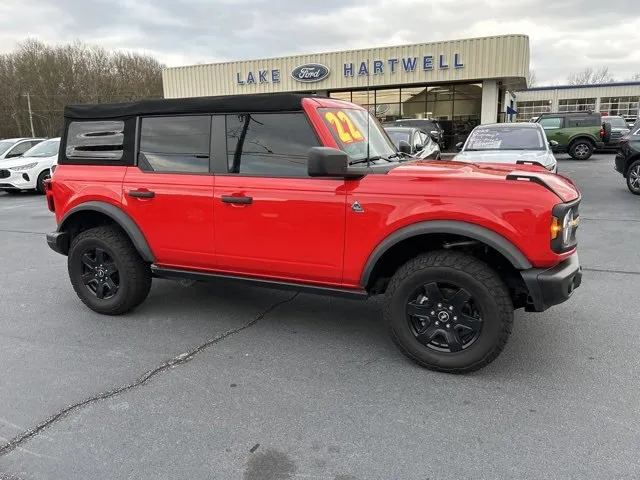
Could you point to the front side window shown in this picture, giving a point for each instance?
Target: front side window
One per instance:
(19, 149)
(505, 138)
(357, 133)
(175, 144)
(550, 123)
(398, 135)
(269, 144)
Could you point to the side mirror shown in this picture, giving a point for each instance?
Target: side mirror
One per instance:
(418, 147)
(328, 162)
(553, 143)
(459, 146)
(404, 147)
(434, 137)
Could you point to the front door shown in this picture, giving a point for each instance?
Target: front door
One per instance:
(554, 128)
(271, 219)
(169, 193)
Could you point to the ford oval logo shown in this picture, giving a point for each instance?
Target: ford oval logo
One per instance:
(310, 72)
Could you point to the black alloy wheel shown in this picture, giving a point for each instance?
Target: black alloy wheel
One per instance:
(444, 317)
(100, 273)
(633, 178)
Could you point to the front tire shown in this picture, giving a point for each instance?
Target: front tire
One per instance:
(41, 179)
(106, 271)
(633, 178)
(581, 150)
(448, 311)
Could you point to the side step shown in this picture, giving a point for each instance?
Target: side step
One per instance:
(174, 273)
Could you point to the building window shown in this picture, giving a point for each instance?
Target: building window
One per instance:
(270, 144)
(175, 144)
(95, 139)
(576, 104)
(624, 106)
(529, 109)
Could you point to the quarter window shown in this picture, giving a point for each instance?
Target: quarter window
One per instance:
(95, 140)
(175, 144)
(271, 145)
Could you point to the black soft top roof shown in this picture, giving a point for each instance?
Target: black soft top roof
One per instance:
(263, 102)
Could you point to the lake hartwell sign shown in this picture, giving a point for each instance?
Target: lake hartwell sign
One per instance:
(316, 72)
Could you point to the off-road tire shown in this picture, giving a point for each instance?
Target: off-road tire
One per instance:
(40, 181)
(581, 149)
(633, 177)
(471, 274)
(134, 273)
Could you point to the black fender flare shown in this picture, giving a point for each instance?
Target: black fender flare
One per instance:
(453, 227)
(120, 217)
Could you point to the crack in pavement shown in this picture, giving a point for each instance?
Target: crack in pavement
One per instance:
(607, 270)
(175, 361)
(21, 231)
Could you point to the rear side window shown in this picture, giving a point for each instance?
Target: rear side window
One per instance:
(582, 121)
(269, 144)
(95, 140)
(175, 144)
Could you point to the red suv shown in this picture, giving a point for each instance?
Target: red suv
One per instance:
(302, 192)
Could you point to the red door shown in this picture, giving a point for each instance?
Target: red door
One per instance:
(287, 228)
(170, 192)
(175, 212)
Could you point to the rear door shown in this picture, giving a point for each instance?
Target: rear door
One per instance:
(169, 192)
(272, 220)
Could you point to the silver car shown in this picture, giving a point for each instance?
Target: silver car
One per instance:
(517, 143)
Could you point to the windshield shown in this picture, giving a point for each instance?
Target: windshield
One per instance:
(48, 148)
(616, 122)
(396, 136)
(4, 146)
(505, 138)
(349, 129)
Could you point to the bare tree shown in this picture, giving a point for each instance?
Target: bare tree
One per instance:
(589, 76)
(635, 76)
(73, 73)
(531, 78)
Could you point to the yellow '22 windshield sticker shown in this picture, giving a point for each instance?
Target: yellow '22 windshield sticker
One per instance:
(344, 127)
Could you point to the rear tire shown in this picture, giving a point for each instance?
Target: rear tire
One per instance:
(106, 271)
(581, 150)
(460, 325)
(633, 178)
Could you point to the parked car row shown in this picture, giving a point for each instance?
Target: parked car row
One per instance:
(25, 163)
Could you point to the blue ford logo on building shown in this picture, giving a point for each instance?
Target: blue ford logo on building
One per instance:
(310, 72)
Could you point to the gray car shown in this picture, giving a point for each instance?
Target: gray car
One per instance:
(619, 128)
(517, 143)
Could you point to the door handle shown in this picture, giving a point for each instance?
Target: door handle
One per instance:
(232, 199)
(141, 194)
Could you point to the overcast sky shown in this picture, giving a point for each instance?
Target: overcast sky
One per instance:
(565, 35)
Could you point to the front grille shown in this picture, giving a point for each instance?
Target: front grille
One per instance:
(5, 173)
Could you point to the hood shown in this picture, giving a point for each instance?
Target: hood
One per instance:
(563, 187)
(16, 162)
(506, 156)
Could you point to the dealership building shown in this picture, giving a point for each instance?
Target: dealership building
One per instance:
(620, 99)
(461, 83)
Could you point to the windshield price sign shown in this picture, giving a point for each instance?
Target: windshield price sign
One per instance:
(344, 127)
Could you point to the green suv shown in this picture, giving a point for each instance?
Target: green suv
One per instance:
(578, 133)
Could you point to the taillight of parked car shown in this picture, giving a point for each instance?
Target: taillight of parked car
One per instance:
(602, 133)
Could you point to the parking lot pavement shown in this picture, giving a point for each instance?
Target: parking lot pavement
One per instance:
(313, 388)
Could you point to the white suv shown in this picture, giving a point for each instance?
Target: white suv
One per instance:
(30, 171)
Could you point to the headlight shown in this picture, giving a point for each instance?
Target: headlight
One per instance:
(564, 224)
(22, 168)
